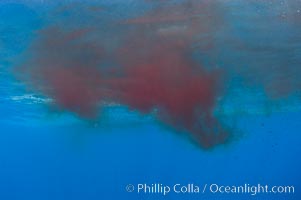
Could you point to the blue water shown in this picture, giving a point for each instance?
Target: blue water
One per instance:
(46, 154)
(80, 161)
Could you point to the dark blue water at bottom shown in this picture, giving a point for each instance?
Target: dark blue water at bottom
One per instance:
(80, 161)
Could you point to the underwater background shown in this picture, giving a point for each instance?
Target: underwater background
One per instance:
(244, 128)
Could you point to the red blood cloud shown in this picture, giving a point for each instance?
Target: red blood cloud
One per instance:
(154, 69)
(158, 62)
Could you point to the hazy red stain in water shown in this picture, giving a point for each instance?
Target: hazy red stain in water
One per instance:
(155, 71)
